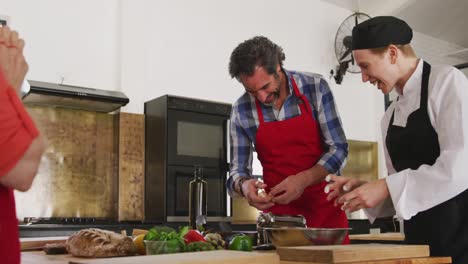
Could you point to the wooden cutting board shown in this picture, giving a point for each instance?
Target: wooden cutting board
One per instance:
(377, 237)
(207, 257)
(351, 253)
(39, 242)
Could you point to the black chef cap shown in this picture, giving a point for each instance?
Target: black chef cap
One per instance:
(381, 31)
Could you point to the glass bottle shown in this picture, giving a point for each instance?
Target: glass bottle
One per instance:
(197, 200)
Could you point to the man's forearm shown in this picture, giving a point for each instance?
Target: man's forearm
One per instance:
(313, 175)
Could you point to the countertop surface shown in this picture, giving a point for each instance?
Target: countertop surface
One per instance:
(39, 257)
(210, 257)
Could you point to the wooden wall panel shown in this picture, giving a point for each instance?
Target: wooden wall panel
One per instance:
(131, 167)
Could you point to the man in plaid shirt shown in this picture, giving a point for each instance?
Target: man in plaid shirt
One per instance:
(290, 119)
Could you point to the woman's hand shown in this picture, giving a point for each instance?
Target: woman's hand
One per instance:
(339, 185)
(365, 196)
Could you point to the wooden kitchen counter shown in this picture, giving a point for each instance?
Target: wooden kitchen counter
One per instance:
(233, 257)
(210, 257)
(39, 257)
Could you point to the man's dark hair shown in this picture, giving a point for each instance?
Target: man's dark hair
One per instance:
(257, 51)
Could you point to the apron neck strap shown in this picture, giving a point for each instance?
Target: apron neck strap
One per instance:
(301, 99)
(425, 85)
(259, 111)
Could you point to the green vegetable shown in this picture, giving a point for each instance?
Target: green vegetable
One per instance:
(163, 247)
(183, 231)
(170, 235)
(173, 246)
(216, 240)
(155, 233)
(241, 243)
(175, 240)
(199, 246)
(151, 235)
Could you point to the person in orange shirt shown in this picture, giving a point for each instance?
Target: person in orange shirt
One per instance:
(21, 145)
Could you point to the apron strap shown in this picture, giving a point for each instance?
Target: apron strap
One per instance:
(259, 111)
(425, 85)
(424, 91)
(301, 99)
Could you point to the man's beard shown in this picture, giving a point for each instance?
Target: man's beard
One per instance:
(276, 93)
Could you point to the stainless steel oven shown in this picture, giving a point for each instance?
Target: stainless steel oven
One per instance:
(180, 133)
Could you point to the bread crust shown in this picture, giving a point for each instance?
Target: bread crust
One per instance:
(97, 243)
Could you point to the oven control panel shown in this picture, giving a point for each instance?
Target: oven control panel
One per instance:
(201, 106)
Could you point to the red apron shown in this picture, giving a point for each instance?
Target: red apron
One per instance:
(288, 147)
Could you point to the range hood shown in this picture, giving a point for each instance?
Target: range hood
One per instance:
(59, 95)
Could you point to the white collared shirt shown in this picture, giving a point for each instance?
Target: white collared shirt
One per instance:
(413, 191)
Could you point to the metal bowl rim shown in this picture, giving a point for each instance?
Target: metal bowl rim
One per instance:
(305, 228)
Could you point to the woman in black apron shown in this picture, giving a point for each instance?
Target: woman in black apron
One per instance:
(425, 137)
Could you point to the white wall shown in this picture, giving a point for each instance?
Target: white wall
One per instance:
(78, 40)
(182, 47)
(149, 48)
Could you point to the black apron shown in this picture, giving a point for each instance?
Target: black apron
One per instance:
(444, 227)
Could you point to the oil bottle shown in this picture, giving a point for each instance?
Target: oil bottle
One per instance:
(197, 200)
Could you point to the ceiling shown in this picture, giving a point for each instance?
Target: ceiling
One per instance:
(445, 20)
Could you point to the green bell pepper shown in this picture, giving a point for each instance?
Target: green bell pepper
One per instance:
(241, 243)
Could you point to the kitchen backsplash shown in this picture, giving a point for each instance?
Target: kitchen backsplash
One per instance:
(79, 172)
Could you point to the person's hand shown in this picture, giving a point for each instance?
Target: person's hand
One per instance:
(12, 62)
(338, 185)
(290, 189)
(250, 190)
(365, 196)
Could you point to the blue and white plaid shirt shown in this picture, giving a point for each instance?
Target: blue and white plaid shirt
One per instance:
(244, 125)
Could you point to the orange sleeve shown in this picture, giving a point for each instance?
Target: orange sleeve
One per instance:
(17, 130)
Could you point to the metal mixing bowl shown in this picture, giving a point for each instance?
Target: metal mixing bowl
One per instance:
(303, 236)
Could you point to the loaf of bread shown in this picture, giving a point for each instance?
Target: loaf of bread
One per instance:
(97, 243)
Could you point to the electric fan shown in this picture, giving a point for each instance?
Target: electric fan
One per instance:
(343, 41)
